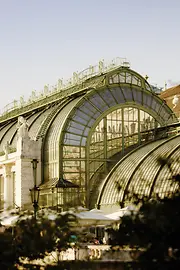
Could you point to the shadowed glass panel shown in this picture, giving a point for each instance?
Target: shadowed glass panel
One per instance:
(106, 95)
(117, 93)
(98, 102)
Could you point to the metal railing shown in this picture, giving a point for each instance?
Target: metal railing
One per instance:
(77, 79)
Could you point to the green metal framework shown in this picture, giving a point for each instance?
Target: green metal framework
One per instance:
(81, 159)
(141, 173)
(86, 128)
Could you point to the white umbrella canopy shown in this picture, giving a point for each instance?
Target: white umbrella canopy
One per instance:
(13, 218)
(10, 212)
(122, 212)
(9, 221)
(98, 211)
(9, 217)
(116, 215)
(81, 209)
(84, 217)
(91, 217)
(48, 213)
(87, 218)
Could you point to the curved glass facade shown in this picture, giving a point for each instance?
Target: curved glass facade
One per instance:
(106, 122)
(86, 131)
(141, 173)
(120, 130)
(51, 146)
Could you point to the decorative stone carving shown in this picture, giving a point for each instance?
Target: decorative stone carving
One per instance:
(33, 95)
(175, 101)
(60, 84)
(75, 77)
(15, 104)
(6, 149)
(91, 69)
(22, 127)
(22, 102)
(46, 90)
(101, 66)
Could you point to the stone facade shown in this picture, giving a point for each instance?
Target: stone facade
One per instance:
(17, 173)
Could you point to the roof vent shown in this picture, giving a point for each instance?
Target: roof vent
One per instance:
(126, 64)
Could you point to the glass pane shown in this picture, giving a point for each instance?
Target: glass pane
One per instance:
(96, 115)
(83, 152)
(122, 77)
(82, 114)
(98, 102)
(106, 95)
(91, 122)
(83, 141)
(71, 152)
(127, 93)
(79, 119)
(86, 131)
(76, 125)
(110, 80)
(137, 95)
(115, 78)
(75, 130)
(147, 99)
(136, 81)
(117, 93)
(158, 107)
(128, 77)
(154, 103)
(87, 108)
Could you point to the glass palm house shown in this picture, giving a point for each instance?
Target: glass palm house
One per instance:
(86, 131)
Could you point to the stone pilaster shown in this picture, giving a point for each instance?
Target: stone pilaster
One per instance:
(27, 150)
(24, 181)
(8, 187)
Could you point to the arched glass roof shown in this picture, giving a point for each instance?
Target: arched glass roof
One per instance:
(51, 146)
(35, 120)
(97, 103)
(141, 173)
(121, 86)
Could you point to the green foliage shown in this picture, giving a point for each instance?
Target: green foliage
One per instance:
(2, 153)
(7, 252)
(34, 239)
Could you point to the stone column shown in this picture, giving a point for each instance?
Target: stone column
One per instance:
(27, 150)
(8, 187)
(24, 181)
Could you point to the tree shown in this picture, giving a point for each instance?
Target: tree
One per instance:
(7, 253)
(35, 238)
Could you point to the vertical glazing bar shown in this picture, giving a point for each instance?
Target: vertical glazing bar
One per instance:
(105, 142)
(139, 127)
(122, 111)
(87, 169)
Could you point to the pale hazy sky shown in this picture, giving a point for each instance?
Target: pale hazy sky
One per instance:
(43, 40)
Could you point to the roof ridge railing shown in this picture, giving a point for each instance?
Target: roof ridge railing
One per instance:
(76, 79)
